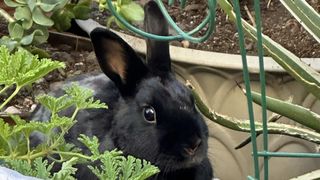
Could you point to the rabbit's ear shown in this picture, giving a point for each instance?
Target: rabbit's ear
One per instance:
(118, 60)
(158, 57)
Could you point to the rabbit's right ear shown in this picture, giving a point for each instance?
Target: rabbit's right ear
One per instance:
(158, 57)
(118, 60)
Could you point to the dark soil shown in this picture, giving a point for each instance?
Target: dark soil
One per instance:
(277, 24)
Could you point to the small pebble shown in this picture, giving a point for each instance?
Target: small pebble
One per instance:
(27, 102)
(249, 46)
(12, 110)
(79, 66)
(33, 107)
(185, 43)
(41, 80)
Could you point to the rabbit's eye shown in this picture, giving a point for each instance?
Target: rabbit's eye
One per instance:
(149, 114)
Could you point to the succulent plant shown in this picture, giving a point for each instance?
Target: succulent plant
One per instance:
(32, 18)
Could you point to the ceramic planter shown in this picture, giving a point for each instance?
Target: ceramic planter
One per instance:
(215, 76)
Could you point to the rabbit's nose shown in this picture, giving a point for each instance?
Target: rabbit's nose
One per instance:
(191, 150)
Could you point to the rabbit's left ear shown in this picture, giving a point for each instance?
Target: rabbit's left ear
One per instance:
(118, 60)
(158, 57)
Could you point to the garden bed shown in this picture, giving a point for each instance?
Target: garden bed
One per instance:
(277, 23)
(216, 85)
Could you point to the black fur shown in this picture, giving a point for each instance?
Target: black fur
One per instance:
(133, 86)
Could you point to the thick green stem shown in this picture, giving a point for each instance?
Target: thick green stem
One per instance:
(30, 157)
(72, 154)
(4, 89)
(295, 112)
(10, 98)
(244, 125)
(273, 118)
(75, 114)
(45, 153)
(28, 147)
(6, 15)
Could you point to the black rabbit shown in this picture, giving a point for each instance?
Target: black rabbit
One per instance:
(151, 115)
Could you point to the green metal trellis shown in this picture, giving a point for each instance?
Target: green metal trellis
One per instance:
(210, 21)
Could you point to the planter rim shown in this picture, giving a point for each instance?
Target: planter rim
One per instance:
(200, 57)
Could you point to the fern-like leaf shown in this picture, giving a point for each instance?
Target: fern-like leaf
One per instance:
(92, 144)
(22, 166)
(55, 104)
(116, 166)
(67, 171)
(23, 68)
(83, 97)
(41, 168)
(145, 171)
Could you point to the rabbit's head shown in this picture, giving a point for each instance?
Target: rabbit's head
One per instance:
(156, 118)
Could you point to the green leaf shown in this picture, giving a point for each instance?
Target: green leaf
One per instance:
(61, 5)
(39, 39)
(295, 112)
(27, 40)
(27, 24)
(116, 166)
(306, 15)
(111, 166)
(92, 144)
(81, 12)
(21, 1)
(38, 168)
(102, 7)
(62, 19)
(23, 13)
(67, 171)
(22, 166)
(41, 19)
(142, 169)
(55, 104)
(243, 125)
(43, 67)
(46, 7)
(123, 2)
(8, 43)
(5, 133)
(83, 97)
(22, 126)
(62, 121)
(15, 30)
(132, 12)
(42, 169)
(11, 3)
(23, 68)
(32, 4)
